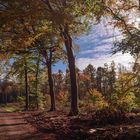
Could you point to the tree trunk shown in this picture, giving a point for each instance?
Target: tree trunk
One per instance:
(37, 72)
(3, 96)
(6, 98)
(71, 63)
(50, 81)
(51, 88)
(26, 87)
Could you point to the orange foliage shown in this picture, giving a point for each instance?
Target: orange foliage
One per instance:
(94, 92)
(83, 77)
(61, 95)
(31, 77)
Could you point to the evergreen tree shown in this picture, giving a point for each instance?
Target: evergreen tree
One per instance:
(90, 71)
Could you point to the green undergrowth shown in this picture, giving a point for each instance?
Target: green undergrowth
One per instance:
(11, 108)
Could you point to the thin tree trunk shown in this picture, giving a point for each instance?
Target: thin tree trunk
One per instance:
(37, 72)
(50, 81)
(3, 96)
(26, 87)
(71, 62)
(6, 98)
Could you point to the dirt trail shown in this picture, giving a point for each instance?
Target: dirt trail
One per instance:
(14, 127)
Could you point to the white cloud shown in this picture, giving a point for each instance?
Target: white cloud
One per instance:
(124, 59)
(99, 40)
(100, 32)
(99, 49)
(96, 47)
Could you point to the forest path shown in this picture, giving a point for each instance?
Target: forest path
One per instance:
(14, 127)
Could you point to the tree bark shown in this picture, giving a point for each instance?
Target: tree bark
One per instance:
(6, 98)
(71, 63)
(50, 81)
(37, 72)
(26, 87)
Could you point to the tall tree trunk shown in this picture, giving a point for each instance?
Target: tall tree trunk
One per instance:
(36, 76)
(51, 87)
(71, 63)
(5, 97)
(26, 86)
(50, 81)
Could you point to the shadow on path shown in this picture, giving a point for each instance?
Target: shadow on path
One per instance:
(14, 127)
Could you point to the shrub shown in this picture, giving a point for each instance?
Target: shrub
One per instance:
(97, 99)
(92, 101)
(62, 99)
(21, 100)
(125, 102)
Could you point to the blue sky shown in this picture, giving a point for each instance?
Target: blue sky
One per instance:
(95, 48)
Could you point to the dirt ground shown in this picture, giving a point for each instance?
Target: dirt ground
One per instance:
(14, 127)
(59, 126)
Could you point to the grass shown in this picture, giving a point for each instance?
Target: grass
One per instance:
(12, 107)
